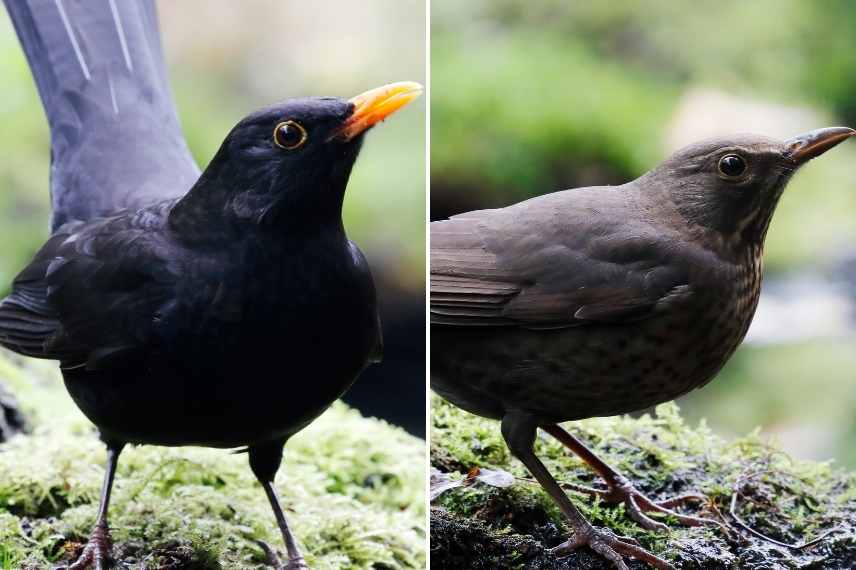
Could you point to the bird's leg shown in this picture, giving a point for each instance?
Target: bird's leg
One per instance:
(621, 490)
(264, 461)
(519, 430)
(97, 553)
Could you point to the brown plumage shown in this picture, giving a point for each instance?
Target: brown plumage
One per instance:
(606, 300)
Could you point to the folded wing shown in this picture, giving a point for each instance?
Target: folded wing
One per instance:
(89, 296)
(549, 263)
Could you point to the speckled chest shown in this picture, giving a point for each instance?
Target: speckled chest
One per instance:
(599, 370)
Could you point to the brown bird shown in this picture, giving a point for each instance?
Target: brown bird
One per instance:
(607, 300)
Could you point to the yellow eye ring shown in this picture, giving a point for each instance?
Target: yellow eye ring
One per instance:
(289, 135)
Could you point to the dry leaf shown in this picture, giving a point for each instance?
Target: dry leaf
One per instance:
(442, 482)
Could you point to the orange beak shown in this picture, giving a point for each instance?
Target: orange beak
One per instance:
(375, 105)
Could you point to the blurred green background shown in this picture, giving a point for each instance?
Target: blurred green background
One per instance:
(533, 97)
(228, 58)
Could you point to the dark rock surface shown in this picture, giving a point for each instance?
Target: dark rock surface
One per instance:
(479, 526)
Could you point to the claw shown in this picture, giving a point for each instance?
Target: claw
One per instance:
(97, 553)
(297, 563)
(612, 547)
(620, 490)
(646, 522)
(645, 504)
(638, 505)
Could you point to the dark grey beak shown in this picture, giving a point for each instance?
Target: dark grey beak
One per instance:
(803, 148)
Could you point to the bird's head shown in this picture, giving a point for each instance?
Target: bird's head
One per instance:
(291, 161)
(732, 185)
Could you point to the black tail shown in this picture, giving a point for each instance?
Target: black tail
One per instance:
(115, 138)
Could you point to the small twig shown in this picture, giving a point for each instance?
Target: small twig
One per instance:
(738, 492)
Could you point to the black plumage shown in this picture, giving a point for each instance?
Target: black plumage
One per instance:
(227, 309)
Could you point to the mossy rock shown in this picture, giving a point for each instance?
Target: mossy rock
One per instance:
(478, 526)
(352, 487)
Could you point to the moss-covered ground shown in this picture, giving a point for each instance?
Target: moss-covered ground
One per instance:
(353, 489)
(792, 501)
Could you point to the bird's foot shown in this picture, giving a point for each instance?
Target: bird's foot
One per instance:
(637, 505)
(612, 547)
(296, 563)
(98, 552)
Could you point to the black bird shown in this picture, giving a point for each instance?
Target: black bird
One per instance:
(607, 300)
(227, 309)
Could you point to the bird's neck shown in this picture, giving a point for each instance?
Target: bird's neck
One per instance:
(733, 240)
(214, 211)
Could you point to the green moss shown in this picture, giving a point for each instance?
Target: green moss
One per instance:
(353, 489)
(786, 499)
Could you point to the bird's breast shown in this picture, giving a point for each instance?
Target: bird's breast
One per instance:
(307, 307)
(245, 355)
(600, 370)
(298, 305)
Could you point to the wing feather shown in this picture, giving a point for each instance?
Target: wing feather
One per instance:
(549, 263)
(88, 296)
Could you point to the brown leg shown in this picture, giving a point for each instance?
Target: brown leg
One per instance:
(98, 550)
(265, 461)
(621, 490)
(519, 430)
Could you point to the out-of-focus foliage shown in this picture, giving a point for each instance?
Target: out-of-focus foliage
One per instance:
(24, 165)
(805, 394)
(514, 119)
(794, 50)
(228, 58)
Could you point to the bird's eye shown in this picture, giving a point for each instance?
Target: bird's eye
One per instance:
(289, 135)
(732, 165)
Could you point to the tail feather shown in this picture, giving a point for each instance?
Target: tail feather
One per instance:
(115, 137)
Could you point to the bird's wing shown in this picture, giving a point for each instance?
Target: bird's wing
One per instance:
(552, 262)
(90, 294)
(116, 141)
(365, 275)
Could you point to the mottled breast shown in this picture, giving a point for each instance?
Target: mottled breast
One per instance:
(598, 369)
